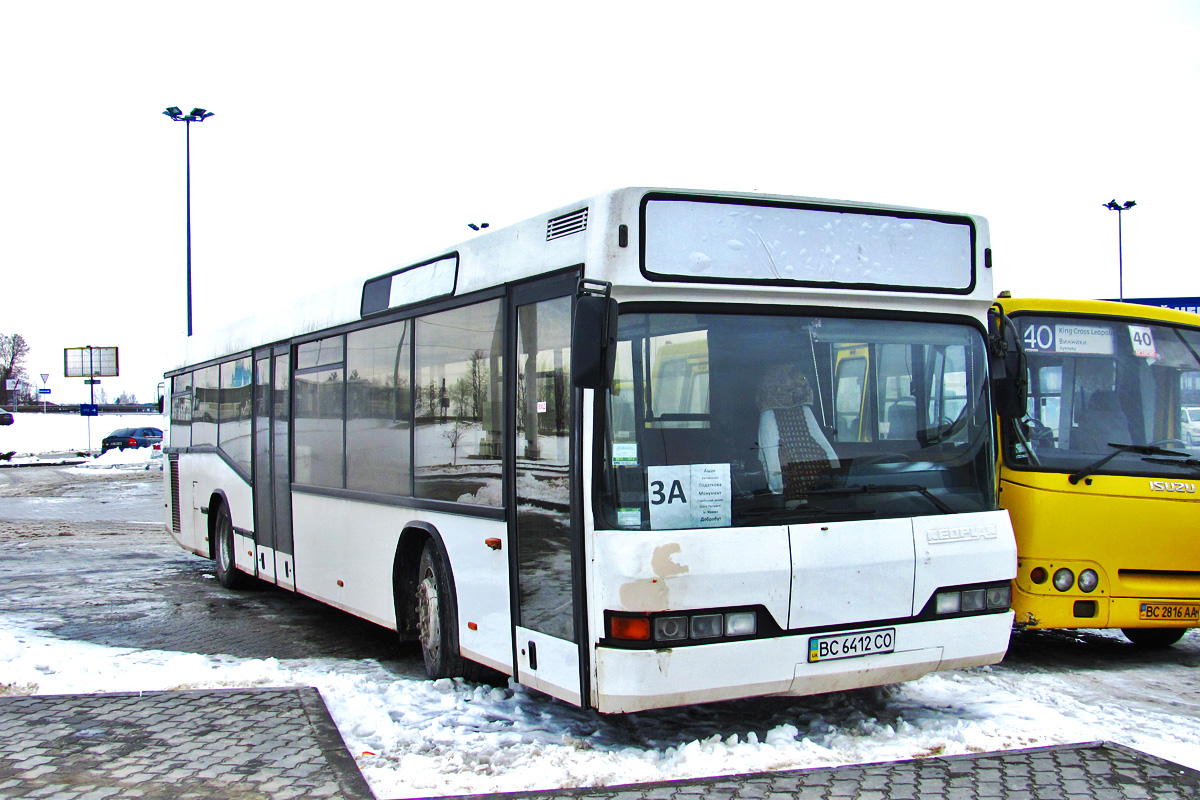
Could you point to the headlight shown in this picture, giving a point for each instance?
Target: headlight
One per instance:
(1088, 580)
(974, 600)
(668, 629)
(741, 623)
(949, 602)
(1064, 579)
(999, 597)
(707, 626)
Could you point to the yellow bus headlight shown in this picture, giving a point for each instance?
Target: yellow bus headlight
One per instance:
(1088, 580)
(1064, 579)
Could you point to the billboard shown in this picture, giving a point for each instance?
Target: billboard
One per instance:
(90, 362)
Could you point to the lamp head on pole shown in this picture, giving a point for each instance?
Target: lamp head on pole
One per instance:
(196, 115)
(1113, 205)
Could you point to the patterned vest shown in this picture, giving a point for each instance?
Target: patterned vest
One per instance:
(803, 462)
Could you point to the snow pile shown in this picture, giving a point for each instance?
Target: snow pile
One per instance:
(129, 459)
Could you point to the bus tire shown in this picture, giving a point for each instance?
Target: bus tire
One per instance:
(227, 571)
(1154, 638)
(437, 621)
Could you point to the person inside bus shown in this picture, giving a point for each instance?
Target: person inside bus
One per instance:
(1102, 421)
(795, 453)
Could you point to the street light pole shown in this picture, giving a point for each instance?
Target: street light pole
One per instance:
(197, 115)
(1113, 205)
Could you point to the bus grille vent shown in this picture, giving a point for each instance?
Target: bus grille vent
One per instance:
(575, 222)
(175, 493)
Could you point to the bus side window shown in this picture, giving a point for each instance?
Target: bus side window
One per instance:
(849, 395)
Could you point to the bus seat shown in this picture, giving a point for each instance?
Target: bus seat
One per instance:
(794, 451)
(1102, 421)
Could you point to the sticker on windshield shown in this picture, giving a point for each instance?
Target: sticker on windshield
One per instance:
(1096, 340)
(690, 496)
(1142, 338)
(624, 454)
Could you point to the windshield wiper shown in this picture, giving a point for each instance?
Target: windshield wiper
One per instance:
(1140, 449)
(1187, 462)
(876, 488)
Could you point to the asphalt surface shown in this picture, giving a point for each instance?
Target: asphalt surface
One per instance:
(127, 584)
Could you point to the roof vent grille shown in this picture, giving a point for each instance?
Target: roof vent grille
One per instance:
(575, 222)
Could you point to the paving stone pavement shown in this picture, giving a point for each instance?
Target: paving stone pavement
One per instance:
(227, 744)
(251, 744)
(1095, 771)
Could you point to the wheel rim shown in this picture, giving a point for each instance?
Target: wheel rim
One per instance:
(224, 547)
(429, 629)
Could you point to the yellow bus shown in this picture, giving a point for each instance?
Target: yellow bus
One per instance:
(1099, 466)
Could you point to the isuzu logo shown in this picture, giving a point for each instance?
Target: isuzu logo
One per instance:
(964, 533)
(1172, 486)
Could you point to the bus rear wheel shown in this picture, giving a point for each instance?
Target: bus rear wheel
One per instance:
(1154, 637)
(227, 571)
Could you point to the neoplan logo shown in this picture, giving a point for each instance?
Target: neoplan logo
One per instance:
(965, 533)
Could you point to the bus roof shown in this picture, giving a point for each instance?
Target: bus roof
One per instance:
(614, 223)
(1103, 308)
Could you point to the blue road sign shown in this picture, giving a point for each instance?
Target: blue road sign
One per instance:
(43, 391)
(88, 410)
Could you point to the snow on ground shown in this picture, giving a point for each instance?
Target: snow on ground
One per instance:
(417, 737)
(33, 434)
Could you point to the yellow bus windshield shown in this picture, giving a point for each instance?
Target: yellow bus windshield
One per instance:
(1097, 385)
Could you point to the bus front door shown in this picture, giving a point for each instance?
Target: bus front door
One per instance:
(272, 482)
(546, 560)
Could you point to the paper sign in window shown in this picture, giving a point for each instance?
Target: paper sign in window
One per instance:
(689, 496)
(1142, 338)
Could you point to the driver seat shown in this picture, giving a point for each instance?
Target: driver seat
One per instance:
(1101, 422)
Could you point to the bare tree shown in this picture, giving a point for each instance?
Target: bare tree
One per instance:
(13, 352)
(478, 379)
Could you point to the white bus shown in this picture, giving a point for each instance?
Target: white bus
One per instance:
(654, 448)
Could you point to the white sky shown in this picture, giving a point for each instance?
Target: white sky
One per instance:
(352, 138)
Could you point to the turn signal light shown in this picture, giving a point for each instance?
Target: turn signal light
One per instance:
(635, 628)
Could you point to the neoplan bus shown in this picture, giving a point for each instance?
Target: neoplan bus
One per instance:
(603, 451)
(1099, 468)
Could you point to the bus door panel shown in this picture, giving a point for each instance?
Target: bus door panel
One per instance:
(281, 462)
(547, 587)
(264, 519)
(849, 572)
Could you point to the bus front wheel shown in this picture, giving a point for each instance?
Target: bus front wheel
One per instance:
(1154, 637)
(227, 571)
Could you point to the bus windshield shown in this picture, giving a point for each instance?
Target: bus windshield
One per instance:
(1097, 385)
(718, 420)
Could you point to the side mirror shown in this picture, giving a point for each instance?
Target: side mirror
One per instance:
(1010, 374)
(593, 338)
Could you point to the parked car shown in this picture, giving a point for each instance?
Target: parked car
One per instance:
(132, 437)
(6, 418)
(1191, 425)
